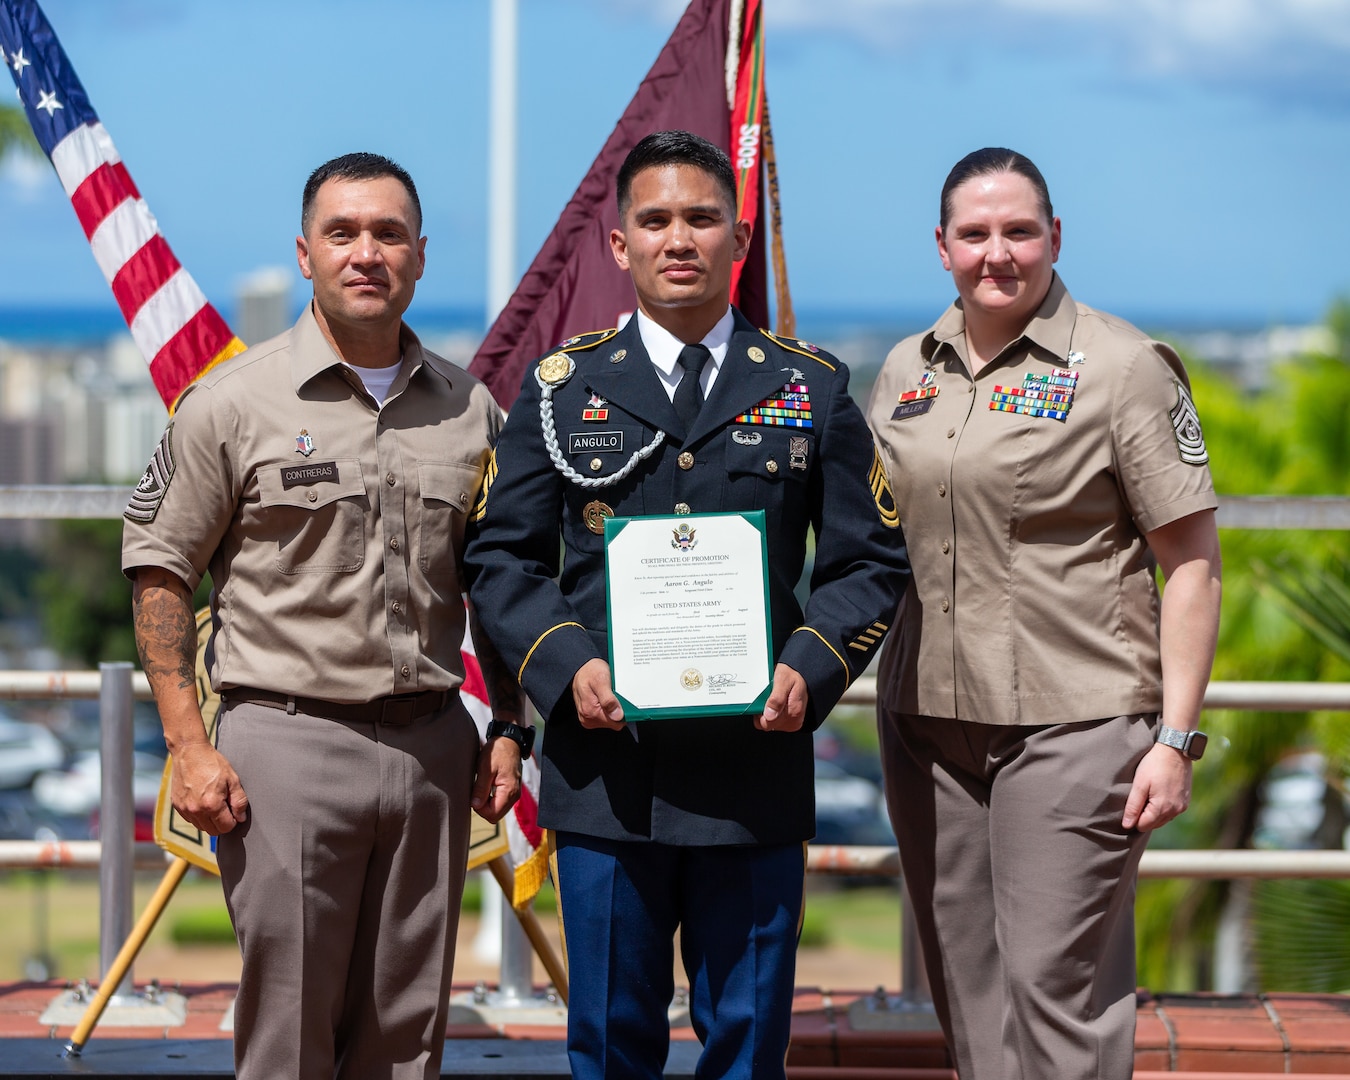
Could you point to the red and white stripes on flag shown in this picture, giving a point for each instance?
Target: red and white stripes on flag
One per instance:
(177, 331)
(525, 839)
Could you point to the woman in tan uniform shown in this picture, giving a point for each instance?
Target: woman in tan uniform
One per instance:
(1038, 701)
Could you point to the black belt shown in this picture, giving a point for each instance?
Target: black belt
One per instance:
(395, 711)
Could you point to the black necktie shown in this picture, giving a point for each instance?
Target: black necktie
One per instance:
(689, 395)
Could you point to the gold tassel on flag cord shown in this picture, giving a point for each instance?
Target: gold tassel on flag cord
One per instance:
(786, 321)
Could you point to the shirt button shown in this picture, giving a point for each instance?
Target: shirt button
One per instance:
(951, 433)
(946, 604)
(685, 461)
(681, 508)
(394, 543)
(312, 496)
(405, 671)
(595, 464)
(946, 546)
(397, 607)
(942, 489)
(389, 479)
(771, 465)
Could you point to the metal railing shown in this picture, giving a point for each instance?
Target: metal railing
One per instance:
(115, 685)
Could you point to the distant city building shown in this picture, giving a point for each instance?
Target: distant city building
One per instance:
(263, 305)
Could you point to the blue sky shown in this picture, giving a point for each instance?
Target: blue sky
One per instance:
(1197, 150)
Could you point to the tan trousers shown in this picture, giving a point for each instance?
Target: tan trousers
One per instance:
(1022, 881)
(344, 888)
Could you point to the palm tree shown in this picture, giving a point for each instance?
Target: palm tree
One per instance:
(15, 133)
(1291, 438)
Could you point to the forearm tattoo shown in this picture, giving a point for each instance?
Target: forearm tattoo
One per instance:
(166, 637)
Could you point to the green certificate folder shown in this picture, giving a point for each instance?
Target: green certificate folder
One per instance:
(689, 627)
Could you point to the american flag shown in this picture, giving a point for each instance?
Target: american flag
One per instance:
(177, 331)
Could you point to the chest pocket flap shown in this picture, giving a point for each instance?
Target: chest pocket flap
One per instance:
(449, 482)
(771, 453)
(310, 486)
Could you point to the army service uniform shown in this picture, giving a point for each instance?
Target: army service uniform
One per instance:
(332, 528)
(711, 797)
(1022, 683)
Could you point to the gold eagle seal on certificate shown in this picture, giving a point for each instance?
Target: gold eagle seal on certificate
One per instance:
(691, 678)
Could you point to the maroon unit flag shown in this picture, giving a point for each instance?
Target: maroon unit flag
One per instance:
(574, 285)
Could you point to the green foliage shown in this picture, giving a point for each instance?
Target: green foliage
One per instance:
(18, 567)
(1294, 950)
(85, 599)
(202, 926)
(83, 596)
(16, 133)
(1291, 438)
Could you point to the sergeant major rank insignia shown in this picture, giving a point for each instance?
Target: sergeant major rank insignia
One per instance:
(149, 493)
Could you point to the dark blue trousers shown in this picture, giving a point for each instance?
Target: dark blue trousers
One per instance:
(738, 910)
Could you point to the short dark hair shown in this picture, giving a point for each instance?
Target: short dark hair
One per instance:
(358, 166)
(986, 162)
(675, 148)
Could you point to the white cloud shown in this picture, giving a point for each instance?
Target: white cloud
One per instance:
(1285, 49)
(26, 180)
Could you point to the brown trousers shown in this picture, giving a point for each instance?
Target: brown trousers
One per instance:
(344, 887)
(1022, 881)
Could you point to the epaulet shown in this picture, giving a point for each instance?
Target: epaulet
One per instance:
(587, 341)
(796, 345)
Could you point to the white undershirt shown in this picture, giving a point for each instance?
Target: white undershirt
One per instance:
(378, 380)
(663, 348)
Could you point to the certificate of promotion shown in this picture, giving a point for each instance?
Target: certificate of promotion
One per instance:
(689, 614)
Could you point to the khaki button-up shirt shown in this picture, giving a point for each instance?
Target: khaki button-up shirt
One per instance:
(1034, 599)
(332, 526)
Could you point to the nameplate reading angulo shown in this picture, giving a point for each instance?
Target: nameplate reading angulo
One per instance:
(595, 442)
(303, 475)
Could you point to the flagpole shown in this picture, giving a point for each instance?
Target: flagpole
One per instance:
(501, 238)
(516, 958)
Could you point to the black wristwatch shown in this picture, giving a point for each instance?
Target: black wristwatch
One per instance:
(1190, 743)
(521, 736)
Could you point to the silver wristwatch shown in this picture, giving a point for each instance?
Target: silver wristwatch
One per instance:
(1190, 743)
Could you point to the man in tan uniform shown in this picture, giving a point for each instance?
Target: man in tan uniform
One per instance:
(324, 479)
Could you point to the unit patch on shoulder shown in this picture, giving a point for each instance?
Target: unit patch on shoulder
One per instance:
(1186, 425)
(150, 491)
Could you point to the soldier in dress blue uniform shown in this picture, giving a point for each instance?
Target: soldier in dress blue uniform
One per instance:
(694, 822)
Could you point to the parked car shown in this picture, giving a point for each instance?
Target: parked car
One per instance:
(849, 809)
(26, 750)
(76, 790)
(21, 818)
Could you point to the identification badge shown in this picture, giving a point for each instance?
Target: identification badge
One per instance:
(915, 407)
(595, 442)
(304, 475)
